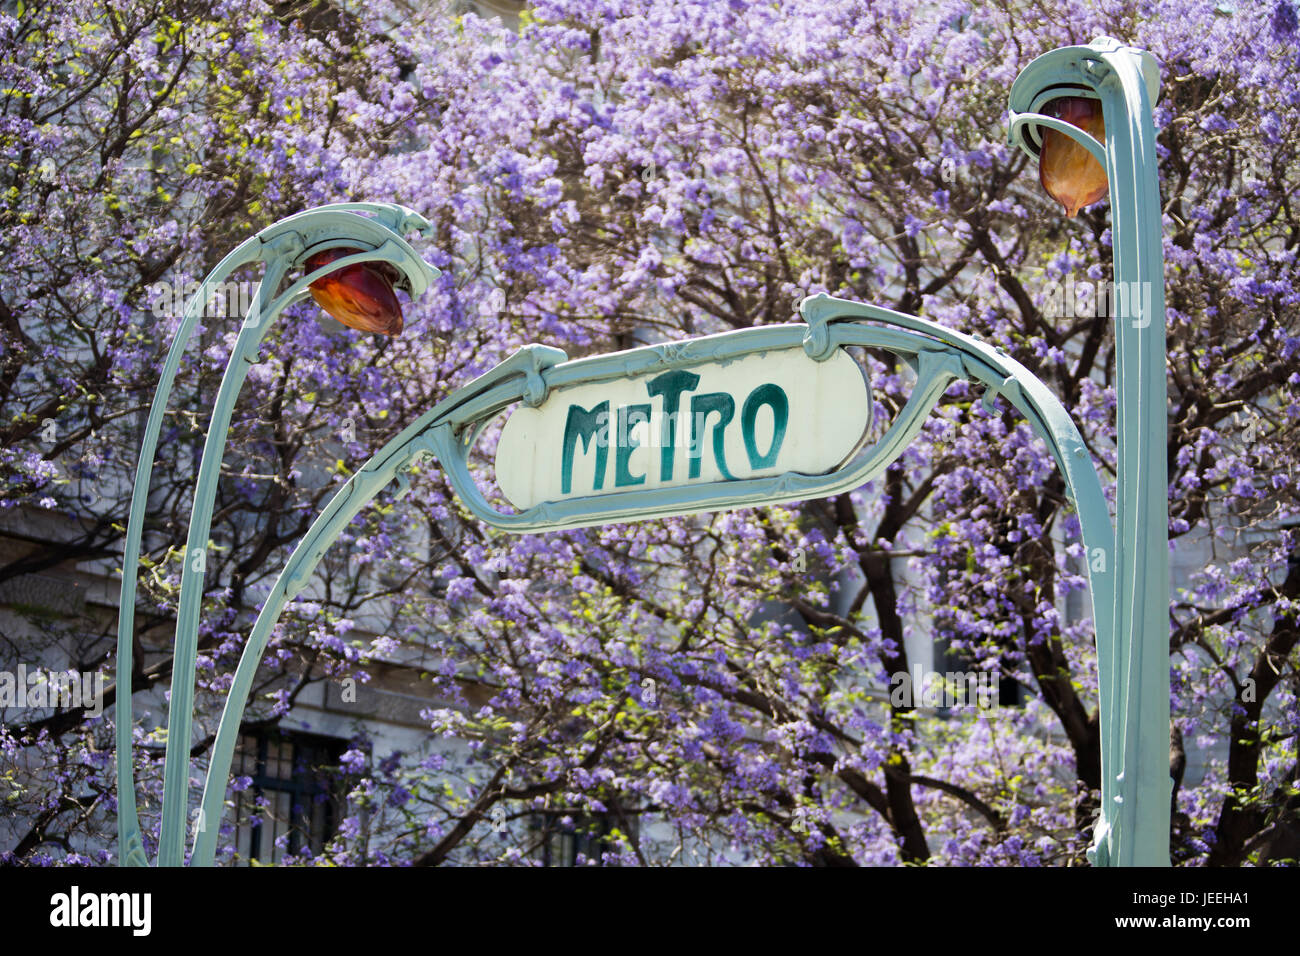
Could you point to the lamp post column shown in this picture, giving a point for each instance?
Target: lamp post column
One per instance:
(364, 232)
(1133, 828)
(1142, 519)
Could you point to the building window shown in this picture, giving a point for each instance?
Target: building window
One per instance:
(946, 658)
(291, 807)
(573, 839)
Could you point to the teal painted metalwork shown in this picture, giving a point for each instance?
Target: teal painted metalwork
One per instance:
(1134, 826)
(447, 432)
(377, 229)
(1129, 586)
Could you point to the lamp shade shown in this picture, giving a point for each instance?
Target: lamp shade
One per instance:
(1068, 171)
(360, 296)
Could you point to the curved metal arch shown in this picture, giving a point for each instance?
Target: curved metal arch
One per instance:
(1071, 71)
(379, 229)
(448, 431)
(1022, 122)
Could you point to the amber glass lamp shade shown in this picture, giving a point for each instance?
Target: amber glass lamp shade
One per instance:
(1068, 171)
(360, 296)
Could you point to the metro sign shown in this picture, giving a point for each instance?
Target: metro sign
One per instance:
(602, 440)
(754, 416)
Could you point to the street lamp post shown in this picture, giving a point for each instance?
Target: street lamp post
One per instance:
(1133, 829)
(370, 233)
(1129, 584)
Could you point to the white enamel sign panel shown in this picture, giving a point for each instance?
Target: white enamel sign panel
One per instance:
(756, 416)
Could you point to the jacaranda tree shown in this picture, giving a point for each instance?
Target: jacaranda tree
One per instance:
(629, 171)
